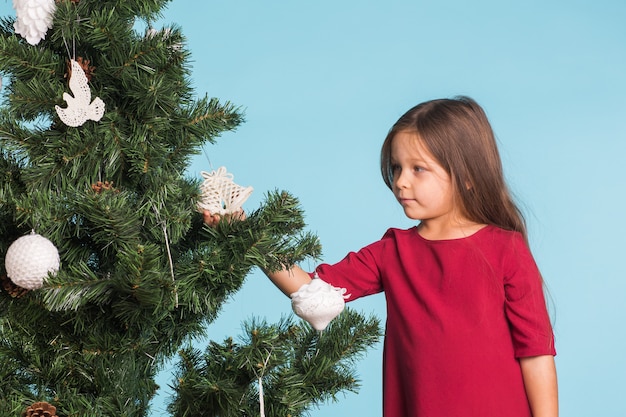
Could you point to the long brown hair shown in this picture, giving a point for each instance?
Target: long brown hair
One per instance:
(458, 135)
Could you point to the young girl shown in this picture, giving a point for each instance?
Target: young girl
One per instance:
(468, 334)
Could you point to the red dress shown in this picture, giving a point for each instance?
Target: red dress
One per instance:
(459, 315)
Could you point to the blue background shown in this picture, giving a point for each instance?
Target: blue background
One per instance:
(322, 82)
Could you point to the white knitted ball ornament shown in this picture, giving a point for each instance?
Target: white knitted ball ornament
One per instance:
(30, 259)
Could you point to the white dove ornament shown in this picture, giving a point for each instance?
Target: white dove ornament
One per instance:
(80, 108)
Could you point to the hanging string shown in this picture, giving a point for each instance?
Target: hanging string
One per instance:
(169, 253)
(206, 155)
(67, 48)
(171, 264)
(72, 53)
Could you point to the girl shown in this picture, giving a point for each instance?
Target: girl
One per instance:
(468, 333)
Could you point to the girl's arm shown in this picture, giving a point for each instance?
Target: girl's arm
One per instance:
(289, 280)
(539, 373)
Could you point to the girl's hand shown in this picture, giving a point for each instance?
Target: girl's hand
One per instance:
(212, 220)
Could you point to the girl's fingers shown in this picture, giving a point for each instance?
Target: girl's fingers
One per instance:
(213, 219)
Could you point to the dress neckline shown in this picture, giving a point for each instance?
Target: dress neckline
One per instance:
(457, 239)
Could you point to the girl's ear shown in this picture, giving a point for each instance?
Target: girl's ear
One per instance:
(468, 185)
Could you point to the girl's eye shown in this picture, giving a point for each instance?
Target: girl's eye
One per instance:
(395, 168)
(418, 169)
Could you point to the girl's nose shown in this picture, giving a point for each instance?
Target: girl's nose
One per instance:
(400, 180)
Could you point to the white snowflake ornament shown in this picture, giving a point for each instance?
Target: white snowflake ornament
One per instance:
(30, 259)
(220, 195)
(80, 108)
(33, 19)
(318, 303)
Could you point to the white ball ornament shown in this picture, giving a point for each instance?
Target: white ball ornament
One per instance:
(318, 303)
(30, 259)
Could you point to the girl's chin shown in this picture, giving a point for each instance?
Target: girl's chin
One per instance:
(411, 215)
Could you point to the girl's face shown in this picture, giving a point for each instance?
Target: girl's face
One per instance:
(421, 185)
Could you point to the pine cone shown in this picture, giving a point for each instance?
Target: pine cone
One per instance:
(40, 409)
(100, 186)
(13, 290)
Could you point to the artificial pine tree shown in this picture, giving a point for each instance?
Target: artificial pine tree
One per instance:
(104, 179)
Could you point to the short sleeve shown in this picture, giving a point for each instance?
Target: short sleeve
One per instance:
(359, 272)
(525, 304)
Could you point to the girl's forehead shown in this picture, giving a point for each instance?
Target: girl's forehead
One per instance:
(409, 145)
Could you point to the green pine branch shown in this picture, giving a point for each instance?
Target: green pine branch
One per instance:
(299, 368)
(141, 275)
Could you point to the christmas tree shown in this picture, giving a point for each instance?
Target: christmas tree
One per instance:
(98, 125)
